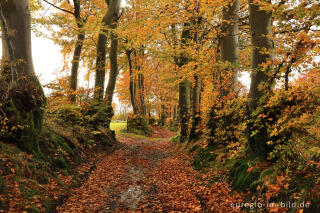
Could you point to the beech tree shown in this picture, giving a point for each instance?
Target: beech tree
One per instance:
(78, 48)
(24, 100)
(184, 86)
(229, 40)
(108, 21)
(262, 53)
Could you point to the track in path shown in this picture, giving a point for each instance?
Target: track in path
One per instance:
(147, 175)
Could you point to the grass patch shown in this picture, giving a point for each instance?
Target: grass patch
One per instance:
(134, 135)
(175, 139)
(118, 127)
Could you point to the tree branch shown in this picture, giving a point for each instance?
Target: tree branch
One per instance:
(59, 8)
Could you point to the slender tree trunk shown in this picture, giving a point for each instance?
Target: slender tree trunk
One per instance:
(107, 21)
(132, 83)
(26, 100)
(113, 71)
(77, 49)
(75, 65)
(194, 131)
(184, 108)
(261, 29)
(174, 116)
(141, 87)
(141, 94)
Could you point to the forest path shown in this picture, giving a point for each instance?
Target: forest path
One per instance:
(147, 175)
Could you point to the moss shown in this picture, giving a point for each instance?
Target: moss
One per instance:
(60, 163)
(3, 185)
(25, 113)
(69, 113)
(98, 114)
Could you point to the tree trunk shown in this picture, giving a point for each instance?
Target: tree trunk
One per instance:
(141, 94)
(24, 105)
(230, 56)
(184, 87)
(100, 67)
(75, 65)
(229, 40)
(174, 116)
(113, 71)
(132, 85)
(194, 131)
(107, 21)
(261, 29)
(77, 49)
(11, 53)
(184, 107)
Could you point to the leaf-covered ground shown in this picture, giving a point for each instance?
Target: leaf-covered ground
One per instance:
(148, 175)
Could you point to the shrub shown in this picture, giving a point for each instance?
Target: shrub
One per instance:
(138, 123)
(69, 113)
(152, 121)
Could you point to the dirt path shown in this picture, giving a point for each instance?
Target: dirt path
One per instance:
(146, 175)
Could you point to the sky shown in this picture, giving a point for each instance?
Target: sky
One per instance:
(47, 59)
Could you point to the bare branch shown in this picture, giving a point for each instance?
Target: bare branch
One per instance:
(59, 8)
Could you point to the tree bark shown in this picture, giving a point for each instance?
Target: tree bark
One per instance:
(17, 16)
(184, 87)
(230, 56)
(229, 40)
(113, 71)
(100, 67)
(261, 29)
(8, 42)
(184, 108)
(141, 87)
(107, 21)
(25, 104)
(77, 50)
(141, 94)
(75, 65)
(194, 131)
(132, 85)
